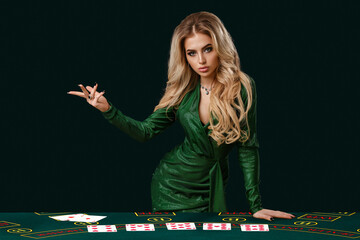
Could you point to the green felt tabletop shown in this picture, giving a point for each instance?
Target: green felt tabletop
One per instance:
(306, 225)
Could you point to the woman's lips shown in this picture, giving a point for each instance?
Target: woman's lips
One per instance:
(203, 69)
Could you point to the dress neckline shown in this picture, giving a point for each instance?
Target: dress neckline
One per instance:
(197, 105)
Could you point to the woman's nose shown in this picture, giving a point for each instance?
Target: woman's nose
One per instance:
(202, 59)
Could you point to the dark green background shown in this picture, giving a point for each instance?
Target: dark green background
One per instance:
(59, 153)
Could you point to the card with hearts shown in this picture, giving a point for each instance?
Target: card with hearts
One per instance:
(80, 217)
(101, 228)
(254, 227)
(140, 227)
(181, 226)
(216, 226)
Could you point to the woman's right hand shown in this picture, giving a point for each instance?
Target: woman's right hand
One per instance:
(94, 98)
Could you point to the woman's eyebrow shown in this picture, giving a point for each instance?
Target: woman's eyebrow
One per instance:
(209, 44)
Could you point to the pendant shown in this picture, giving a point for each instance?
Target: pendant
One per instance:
(206, 90)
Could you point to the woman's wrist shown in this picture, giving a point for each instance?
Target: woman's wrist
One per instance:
(107, 109)
(254, 210)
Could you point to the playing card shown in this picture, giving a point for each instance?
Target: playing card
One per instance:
(86, 218)
(216, 226)
(140, 227)
(181, 226)
(80, 217)
(67, 217)
(101, 228)
(254, 227)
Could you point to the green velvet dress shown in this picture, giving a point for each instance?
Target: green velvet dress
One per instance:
(192, 176)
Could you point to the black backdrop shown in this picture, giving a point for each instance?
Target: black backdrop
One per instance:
(59, 153)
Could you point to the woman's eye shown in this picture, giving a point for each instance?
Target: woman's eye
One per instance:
(209, 49)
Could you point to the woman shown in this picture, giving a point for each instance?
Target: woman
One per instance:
(215, 103)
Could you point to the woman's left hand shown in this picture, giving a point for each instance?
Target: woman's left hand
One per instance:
(269, 215)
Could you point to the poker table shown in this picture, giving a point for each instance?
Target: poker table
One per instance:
(306, 225)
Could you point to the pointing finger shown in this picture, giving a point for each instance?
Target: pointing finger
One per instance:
(80, 94)
(86, 93)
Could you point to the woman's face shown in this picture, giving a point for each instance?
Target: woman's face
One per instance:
(201, 55)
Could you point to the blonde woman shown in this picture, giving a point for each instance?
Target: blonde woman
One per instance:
(215, 102)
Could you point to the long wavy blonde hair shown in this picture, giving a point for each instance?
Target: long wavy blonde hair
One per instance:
(226, 104)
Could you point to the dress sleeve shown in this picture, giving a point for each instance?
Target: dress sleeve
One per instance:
(248, 155)
(141, 131)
